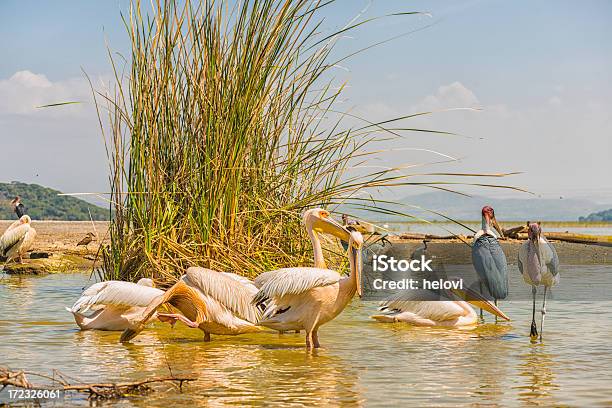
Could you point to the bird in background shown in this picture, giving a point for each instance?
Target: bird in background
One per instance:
(114, 305)
(18, 207)
(488, 257)
(87, 239)
(539, 265)
(17, 239)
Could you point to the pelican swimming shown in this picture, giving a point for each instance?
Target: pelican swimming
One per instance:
(488, 257)
(304, 298)
(17, 239)
(115, 304)
(421, 307)
(539, 265)
(215, 302)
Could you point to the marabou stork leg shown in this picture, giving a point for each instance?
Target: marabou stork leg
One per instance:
(543, 314)
(495, 300)
(206, 336)
(534, 328)
(481, 315)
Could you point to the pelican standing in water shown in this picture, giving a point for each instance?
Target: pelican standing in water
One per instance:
(17, 239)
(539, 265)
(215, 302)
(221, 302)
(304, 298)
(115, 304)
(488, 257)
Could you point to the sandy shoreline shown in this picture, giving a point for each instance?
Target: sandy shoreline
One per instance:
(59, 239)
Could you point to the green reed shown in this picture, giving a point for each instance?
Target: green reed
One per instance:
(219, 136)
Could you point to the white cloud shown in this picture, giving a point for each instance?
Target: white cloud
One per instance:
(454, 95)
(24, 91)
(555, 101)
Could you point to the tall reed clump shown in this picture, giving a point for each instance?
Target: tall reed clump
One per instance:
(219, 136)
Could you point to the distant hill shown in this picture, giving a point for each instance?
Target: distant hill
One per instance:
(512, 209)
(605, 215)
(43, 203)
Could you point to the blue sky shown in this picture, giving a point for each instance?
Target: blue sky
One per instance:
(541, 72)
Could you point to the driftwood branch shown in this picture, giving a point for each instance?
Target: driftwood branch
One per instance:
(18, 379)
(520, 233)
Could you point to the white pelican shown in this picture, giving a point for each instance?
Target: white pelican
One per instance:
(488, 257)
(220, 302)
(304, 297)
(17, 239)
(115, 304)
(539, 265)
(215, 302)
(427, 308)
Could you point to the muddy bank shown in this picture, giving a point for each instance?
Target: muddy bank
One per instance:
(456, 252)
(55, 247)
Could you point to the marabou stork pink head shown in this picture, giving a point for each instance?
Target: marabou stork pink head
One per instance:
(534, 230)
(488, 214)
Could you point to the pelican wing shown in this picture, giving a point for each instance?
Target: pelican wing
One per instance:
(115, 293)
(13, 236)
(230, 291)
(292, 281)
(551, 258)
(13, 225)
(490, 263)
(423, 303)
(245, 281)
(28, 239)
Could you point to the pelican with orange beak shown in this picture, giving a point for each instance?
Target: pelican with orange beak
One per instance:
(429, 308)
(304, 298)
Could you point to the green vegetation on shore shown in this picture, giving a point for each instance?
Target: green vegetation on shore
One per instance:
(43, 203)
(598, 216)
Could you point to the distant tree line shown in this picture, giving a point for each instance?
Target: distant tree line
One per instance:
(43, 203)
(605, 215)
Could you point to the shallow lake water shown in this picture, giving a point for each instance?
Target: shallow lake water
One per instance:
(362, 362)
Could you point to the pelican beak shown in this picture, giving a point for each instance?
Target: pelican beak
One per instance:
(327, 225)
(480, 302)
(356, 253)
(497, 227)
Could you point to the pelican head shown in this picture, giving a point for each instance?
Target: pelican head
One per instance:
(145, 281)
(320, 221)
(488, 218)
(534, 231)
(25, 219)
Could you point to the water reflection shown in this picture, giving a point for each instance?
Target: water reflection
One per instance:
(362, 363)
(537, 369)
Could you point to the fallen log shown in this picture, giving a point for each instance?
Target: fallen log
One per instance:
(603, 240)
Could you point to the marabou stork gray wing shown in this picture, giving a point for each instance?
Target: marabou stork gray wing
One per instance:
(490, 263)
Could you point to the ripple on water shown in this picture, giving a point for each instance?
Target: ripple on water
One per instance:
(363, 362)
